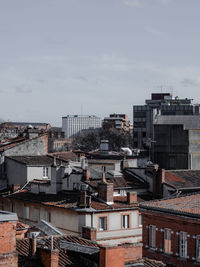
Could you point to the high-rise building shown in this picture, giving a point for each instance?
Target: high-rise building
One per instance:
(159, 104)
(74, 124)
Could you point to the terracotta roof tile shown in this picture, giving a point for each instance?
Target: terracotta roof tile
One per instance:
(188, 205)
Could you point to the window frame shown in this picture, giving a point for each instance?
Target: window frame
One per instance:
(167, 244)
(105, 223)
(34, 215)
(26, 212)
(152, 236)
(198, 248)
(45, 172)
(125, 215)
(183, 245)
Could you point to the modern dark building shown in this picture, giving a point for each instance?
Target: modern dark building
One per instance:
(177, 142)
(159, 104)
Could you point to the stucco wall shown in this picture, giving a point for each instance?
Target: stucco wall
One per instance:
(16, 172)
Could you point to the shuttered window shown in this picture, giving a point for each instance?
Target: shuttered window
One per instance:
(198, 248)
(167, 240)
(183, 245)
(152, 236)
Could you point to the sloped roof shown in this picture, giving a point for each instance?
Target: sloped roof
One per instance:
(188, 205)
(183, 178)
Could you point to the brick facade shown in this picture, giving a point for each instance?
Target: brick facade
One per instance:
(176, 224)
(8, 255)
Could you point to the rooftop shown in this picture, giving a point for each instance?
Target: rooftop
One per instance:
(69, 200)
(35, 160)
(190, 122)
(188, 205)
(183, 178)
(6, 216)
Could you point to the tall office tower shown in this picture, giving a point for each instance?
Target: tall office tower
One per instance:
(159, 104)
(74, 124)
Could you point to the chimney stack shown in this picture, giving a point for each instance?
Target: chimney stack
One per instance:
(131, 197)
(86, 174)
(105, 190)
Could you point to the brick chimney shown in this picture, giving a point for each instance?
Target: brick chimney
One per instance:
(158, 179)
(86, 174)
(131, 197)
(84, 200)
(89, 233)
(105, 190)
(49, 258)
(112, 256)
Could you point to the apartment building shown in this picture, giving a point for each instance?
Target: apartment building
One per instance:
(117, 121)
(74, 124)
(171, 230)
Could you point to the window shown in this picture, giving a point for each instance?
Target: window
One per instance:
(36, 215)
(26, 212)
(48, 216)
(167, 240)
(125, 221)
(102, 223)
(198, 248)
(183, 245)
(140, 220)
(45, 172)
(152, 236)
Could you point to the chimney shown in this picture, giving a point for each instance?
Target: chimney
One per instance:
(105, 190)
(112, 256)
(33, 245)
(84, 200)
(86, 174)
(89, 233)
(49, 258)
(158, 179)
(131, 197)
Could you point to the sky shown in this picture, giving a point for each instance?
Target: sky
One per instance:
(96, 57)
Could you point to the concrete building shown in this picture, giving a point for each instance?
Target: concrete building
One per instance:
(163, 104)
(74, 124)
(171, 230)
(28, 146)
(8, 253)
(177, 141)
(117, 121)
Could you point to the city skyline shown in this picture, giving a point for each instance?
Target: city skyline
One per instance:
(95, 57)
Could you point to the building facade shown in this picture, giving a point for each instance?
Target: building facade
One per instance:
(171, 230)
(74, 124)
(163, 104)
(177, 141)
(117, 121)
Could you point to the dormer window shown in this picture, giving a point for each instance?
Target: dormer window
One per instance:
(45, 172)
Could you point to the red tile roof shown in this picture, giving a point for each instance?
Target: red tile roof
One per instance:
(69, 200)
(188, 205)
(183, 178)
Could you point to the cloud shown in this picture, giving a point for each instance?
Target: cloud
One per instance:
(21, 90)
(156, 32)
(190, 82)
(139, 3)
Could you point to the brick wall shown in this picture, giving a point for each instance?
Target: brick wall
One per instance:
(7, 237)
(49, 258)
(8, 255)
(111, 256)
(132, 252)
(176, 224)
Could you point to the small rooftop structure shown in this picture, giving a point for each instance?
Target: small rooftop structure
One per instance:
(6, 216)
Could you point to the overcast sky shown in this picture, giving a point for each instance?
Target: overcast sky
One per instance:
(98, 57)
